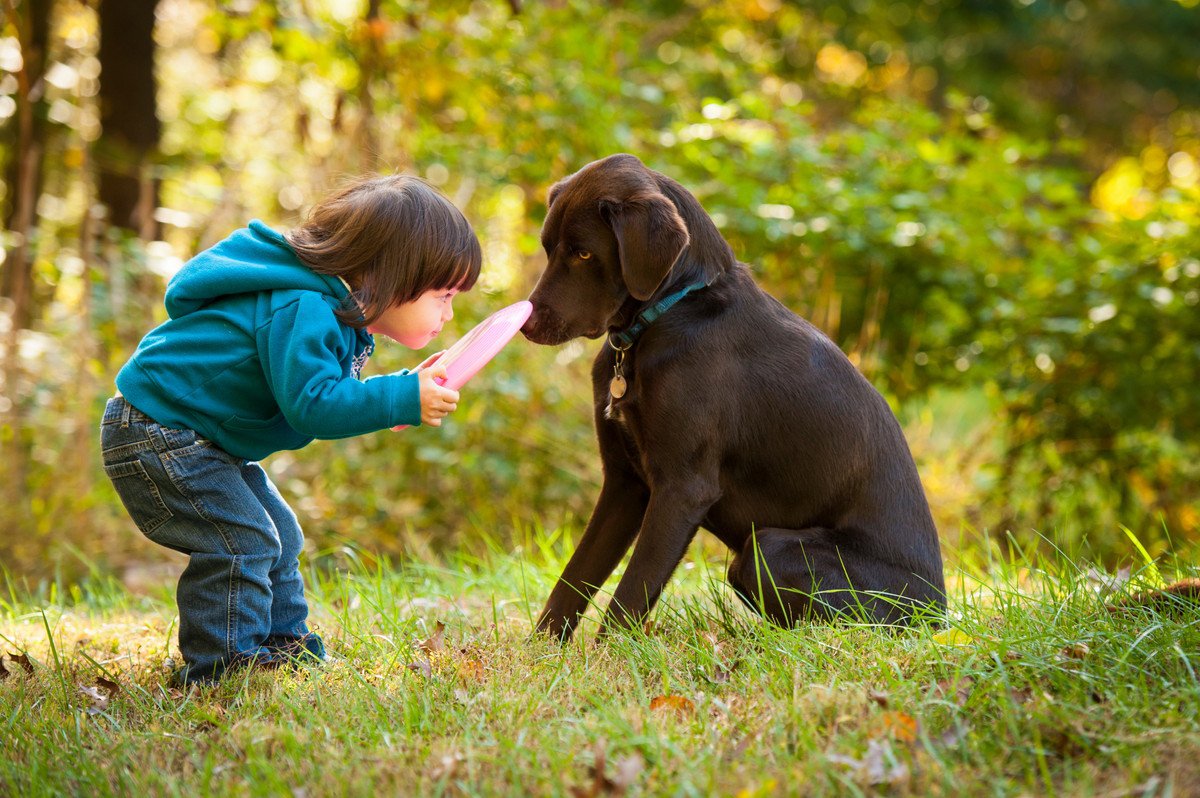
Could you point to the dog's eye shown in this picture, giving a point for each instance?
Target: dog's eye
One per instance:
(583, 254)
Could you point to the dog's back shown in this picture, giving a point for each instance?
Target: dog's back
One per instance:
(805, 439)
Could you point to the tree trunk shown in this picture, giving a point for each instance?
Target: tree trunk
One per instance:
(128, 104)
(23, 172)
(368, 142)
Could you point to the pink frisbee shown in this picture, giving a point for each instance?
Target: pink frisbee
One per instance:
(485, 340)
(473, 351)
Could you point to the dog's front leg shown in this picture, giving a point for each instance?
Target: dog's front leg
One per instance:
(615, 520)
(671, 520)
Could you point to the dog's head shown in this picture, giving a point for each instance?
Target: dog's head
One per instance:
(613, 232)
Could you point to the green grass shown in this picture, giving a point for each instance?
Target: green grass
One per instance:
(1034, 688)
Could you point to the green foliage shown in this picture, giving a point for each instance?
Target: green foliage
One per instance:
(898, 175)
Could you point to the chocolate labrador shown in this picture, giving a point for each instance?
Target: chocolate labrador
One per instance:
(717, 407)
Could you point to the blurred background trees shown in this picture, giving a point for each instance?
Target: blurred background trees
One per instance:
(992, 206)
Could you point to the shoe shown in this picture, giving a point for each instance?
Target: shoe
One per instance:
(308, 649)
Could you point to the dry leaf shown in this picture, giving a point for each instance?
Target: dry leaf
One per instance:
(445, 767)
(741, 748)
(470, 670)
(99, 698)
(422, 667)
(874, 768)
(953, 736)
(1076, 651)
(1106, 581)
(960, 688)
(1021, 696)
(112, 687)
(719, 676)
(1179, 595)
(435, 642)
(626, 770)
(680, 705)
(901, 726)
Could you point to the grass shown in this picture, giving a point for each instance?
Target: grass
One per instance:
(1033, 688)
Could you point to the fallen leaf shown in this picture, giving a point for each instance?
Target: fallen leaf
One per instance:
(1021, 696)
(680, 705)
(112, 687)
(719, 676)
(953, 637)
(742, 746)
(1076, 651)
(445, 766)
(952, 736)
(421, 666)
(435, 642)
(1183, 594)
(626, 770)
(1106, 581)
(960, 688)
(874, 768)
(99, 698)
(901, 726)
(768, 787)
(470, 670)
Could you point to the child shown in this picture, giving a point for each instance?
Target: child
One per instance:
(262, 351)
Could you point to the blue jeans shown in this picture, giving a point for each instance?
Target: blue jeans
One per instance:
(241, 597)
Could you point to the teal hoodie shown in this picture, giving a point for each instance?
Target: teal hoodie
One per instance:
(254, 359)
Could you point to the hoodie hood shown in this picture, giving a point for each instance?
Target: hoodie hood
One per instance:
(253, 259)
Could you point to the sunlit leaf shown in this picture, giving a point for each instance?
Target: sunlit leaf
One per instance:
(435, 641)
(679, 705)
(953, 637)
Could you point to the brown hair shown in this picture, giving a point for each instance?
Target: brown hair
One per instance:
(391, 239)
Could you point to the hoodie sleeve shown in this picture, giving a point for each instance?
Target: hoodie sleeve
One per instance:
(303, 349)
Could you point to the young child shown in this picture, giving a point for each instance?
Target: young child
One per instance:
(262, 351)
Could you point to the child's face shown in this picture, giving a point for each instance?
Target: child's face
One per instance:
(416, 323)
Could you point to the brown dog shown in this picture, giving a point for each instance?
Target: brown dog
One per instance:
(716, 406)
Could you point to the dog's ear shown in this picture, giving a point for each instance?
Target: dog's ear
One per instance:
(555, 190)
(650, 237)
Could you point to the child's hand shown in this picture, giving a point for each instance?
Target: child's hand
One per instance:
(437, 402)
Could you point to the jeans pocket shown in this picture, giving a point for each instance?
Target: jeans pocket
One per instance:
(139, 494)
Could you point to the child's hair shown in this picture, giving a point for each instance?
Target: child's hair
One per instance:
(391, 239)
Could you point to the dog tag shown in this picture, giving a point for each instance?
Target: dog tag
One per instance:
(616, 388)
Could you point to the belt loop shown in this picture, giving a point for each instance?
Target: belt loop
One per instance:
(126, 409)
(157, 437)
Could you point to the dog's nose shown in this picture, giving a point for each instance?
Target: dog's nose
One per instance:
(529, 328)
